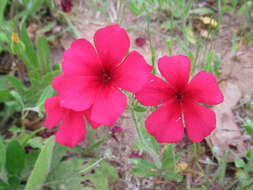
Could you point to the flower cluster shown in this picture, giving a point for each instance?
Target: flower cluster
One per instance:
(91, 83)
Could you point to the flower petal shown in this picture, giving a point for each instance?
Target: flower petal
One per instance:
(72, 129)
(76, 92)
(204, 89)
(165, 124)
(199, 121)
(175, 69)
(81, 59)
(133, 73)
(92, 123)
(110, 103)
(54, 112)
(112, 44)
(154, 92)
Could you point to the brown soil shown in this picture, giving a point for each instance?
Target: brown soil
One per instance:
(237, 69)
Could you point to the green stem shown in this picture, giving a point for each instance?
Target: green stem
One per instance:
(73, 28)
(23, 115)
(149, 150)
(31, 135)
(194, 151)
(119, 20)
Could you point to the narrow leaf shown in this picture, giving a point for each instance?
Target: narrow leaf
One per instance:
(17, 84)
(2, 154)
(43, 54)
(42, 166)
(17, 97)
(3, 4)
(29, 47)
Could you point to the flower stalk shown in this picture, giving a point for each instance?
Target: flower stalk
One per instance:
(152, 153)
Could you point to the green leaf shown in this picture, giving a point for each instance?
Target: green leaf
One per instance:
(48, 78)
(88, 188)
(99, 181)
(222, 165)
(17, 84)
(140, 108)
(17, 97)
(4, 91)
(2, 154)
(150, 140)
(172, 176)
(59, 152)
(43, 53)
(3, 37)
(18, 48)
(47, 28)
(136, 7)
(30, 161)
(244, 8)
(15, 158)
(14, 182)
(109, 171)
(29, 136)
(93, 146)
(5, 95)
(30, 52)
(250, 154)
(42, 166)
(144, 168)
(249, 126)
(3, 4)
(76, 184)
(190, 35)
(239, 163)
(201, 11)
(32, 7)
(68, 168)
(101, 175)
(36, 142)
(66, 173)
(169, 159)
(208, 65)
(46, 93)
(3, 186)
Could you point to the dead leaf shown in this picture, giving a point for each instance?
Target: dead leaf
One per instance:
(31, 30)
(227, 134)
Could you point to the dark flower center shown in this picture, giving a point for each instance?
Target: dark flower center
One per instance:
(106, 77)
(179, 95)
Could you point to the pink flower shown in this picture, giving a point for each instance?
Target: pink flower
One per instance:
(72, 128)
(93, 79)
(180, 101)
(66, 5)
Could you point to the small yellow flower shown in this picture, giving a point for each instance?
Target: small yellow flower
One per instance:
(209, 21)
(182, 166)
(15, 37)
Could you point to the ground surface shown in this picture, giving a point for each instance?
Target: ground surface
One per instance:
(235, 82)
